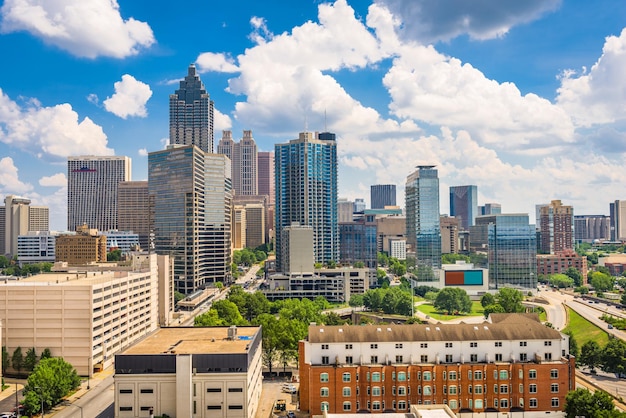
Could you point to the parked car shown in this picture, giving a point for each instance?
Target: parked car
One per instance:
(610, 327)
(7, 415)
(291, 414)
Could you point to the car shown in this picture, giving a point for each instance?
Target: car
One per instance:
(291, 414)
(610, 327)
(7, 415)
(290, 389)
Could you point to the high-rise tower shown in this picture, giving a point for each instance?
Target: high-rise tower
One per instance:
(306, 192)
(92, 184)
(132, 210)
(557, 227)
(265, 164)
(191, 113)
(243, 156)
(422, 216)
(464, 205)
(382, 195)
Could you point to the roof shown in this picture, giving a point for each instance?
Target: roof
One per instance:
(501, 327)
(195, 340)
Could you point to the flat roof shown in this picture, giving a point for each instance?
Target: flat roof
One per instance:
(68, 278)
(195, 340)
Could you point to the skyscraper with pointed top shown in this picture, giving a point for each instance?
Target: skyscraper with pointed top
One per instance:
(191, 113)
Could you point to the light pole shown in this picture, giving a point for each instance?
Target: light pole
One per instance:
(81, 409)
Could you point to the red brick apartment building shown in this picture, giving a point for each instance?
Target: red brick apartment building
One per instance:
(548, 264)
(508, 363)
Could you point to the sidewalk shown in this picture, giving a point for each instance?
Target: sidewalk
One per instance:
(10, 390)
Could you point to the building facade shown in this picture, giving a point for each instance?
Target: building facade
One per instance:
(133, 212)
(36, 247)
(191, 113)
(84, 247)
(557, 227)
(92, 184)
(265, 166)
(191, 207)
(382, 195)
(464, 205)
(449, 235)
(423, 233)
(617, 211)
(244, 162)
(548, 264)
(255, 225)
(19, 218)
(306, 192)
(345, 210)
(510, 363)
(358, 241)
(191, 372)
(490, 209)
(589, 228)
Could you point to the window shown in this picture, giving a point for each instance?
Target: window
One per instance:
(555, 403)
(495, 388)
(324, 346)
(348, 359)
(448, 358)
(346, 392)
(520, 373)
(401, 390)
(146, 391)
(444, 375)
(554, 374)
(324, 392)
(498, 344)
(473, 344)
(523, 343)
(478, 389)
(478, 375)
(324, 406)
(325, 360)
(448, 345)
(347, 406)
(323, 377)
(427, 390)
(554, 388)
(547, 343)
(504, 388)
(427, 376)
(532, 403)
(375, 377)
(469, 374)
(126, 408)
(213, 407)
(532, 374)
(452, 375)
(499, 357)
(504, 374)
(235, 406)
(547, 356)
(452, 390)
(473, 358)
(401, 376)
(398, 345)
(496, 403)
(126, 391)
(523, 357)
(346, 377)
(521, 388)
(401, 405)
(423, 345)
(504, 403)
(235, 390)
(478, 404)
(376, 406)
(532, 388)
(373, 346)
(376, 391)
(373, 359)
(452, 404)
(213, 390)
(424, 358)
(348, 346)
(398, 359)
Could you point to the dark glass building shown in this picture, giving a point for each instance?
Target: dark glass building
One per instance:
(464, 205)
(382, 195)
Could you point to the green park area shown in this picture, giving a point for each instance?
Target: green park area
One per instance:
(430, 310)
(584, 330)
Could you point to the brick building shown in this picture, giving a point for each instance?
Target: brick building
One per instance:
(548, 264)
(509, 363)
(83, 248)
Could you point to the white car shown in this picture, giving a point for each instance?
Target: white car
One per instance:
(7, 415)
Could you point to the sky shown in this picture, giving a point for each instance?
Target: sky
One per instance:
(526, 100)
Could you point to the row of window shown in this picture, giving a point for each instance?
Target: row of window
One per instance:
(209, 407)
(473, 344)
(453, 404)
(449, 358)
(209, 390)
(428, 376)
(452, 390)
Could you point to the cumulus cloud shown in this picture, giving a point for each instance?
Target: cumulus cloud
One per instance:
(9, 179)
(93, 99)
(597, 96)
(49, 131)
(143, 152)
(260, 33)
(85, 28)
(210, 61)
(130, 98)
(55, 180)
(221, 121)
(431, 21)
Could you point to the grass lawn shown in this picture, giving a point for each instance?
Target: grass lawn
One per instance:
(429, 309)
(584, 330)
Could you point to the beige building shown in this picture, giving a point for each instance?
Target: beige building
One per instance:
(83, 248)
(133, 212)
(88, 316)
(298, 253)
(255, 225)
(388, 228)
(449, 226)
(239, 228)
(191, 372)
(18, 217)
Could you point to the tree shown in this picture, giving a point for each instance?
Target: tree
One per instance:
(178, 296)
(359, 264)
(5, 357)
(613, 357)
(575, 275)
(573, 344)
(453, 299)
(398, 269)
(510, 300)
(623, 299)
(208, 319)
(561, 281)
(581, 402)
(17, 360)
(590, 355)
(45, 354)
(30, 361)
(453, 258)
(372, 300)
(115, 255)
(228, 312)
(356, 300)
(332, 318)
(422, 290)
(52, 379)
(383, 259)
(494, 308)
(601, 282)
(487, 299)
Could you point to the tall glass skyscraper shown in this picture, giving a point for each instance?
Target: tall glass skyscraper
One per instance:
(382, 195)
(512, 250)
(190, 207)
(464, 205)
(306, 192)
(191, 113)
(422, 217)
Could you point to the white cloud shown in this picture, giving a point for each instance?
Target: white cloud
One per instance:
(260, 33)
(143, 152)
(55, 180)
(53, 131)
(9, 179)
(85, 28)
(130, 98)
(209, 61)
(221, 121)
(599, 95)
(93, 99)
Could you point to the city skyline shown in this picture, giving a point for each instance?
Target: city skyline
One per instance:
(526, 102)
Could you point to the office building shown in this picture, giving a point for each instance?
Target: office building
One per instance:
(508, 362)
(557, 227)
(358, 241)
(589, 228)
(87, 246)
(449, 235)
(549, 264)
(265, 173)
(490, 209)
(191, 113)
(133, 210)
(255, 225)
(239, 228)
(85, 316)
(36, 247)
(390, 228)
(244, 162)
(382, 195)
(92, 184)
(306, 192)
(19, 217)
(618, 220)
(191, 372)
(474, 280)
(359, 204)
(345, 210)
(125, 241)
(511, 250)
(464, 205)
(297, 252)
(397, 248)
(423, 235)
(190, 198)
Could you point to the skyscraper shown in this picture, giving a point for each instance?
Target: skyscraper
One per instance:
(422, 216)
(191, 113)
(618, 220)
(306, 192)
(489, 209)
(266, 174)
(557, 227)
(591, 227)
(190, 199)
(19, 218)
(132, 210)
(464, 205)
(382, 195)
(92, 184)
(243, 156)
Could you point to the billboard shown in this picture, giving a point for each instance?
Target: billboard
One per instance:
(464, 278)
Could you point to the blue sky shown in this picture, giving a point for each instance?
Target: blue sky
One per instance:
(527, 100)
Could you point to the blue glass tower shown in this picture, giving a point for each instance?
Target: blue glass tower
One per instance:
(306, 192)
(464, 205)
(422, 217)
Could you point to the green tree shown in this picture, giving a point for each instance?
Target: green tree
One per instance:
(493, 308)
(623, 299)
(510, 299)
(52, 379)
(178, 296)
(372, 299)
(561, 281)
(356, 300)
(331, 264)
(332, 318)
(422, 290)
(208, 319)
(487, 299)
(45, 354)
(6, 359)
(613, 356)
(396, 301)
(453, 299)
(573, 344)
(590, 355)
(583, 290)
(359, 264)
(575, 275)
(601, 282)
(322, 303)
(228, 312)
(31, 359)
(581, 402)
(398, 269)
(431, 296)
(453, 258)
(17, 360)
(383, 259)
(115, 255)
(4, 261)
